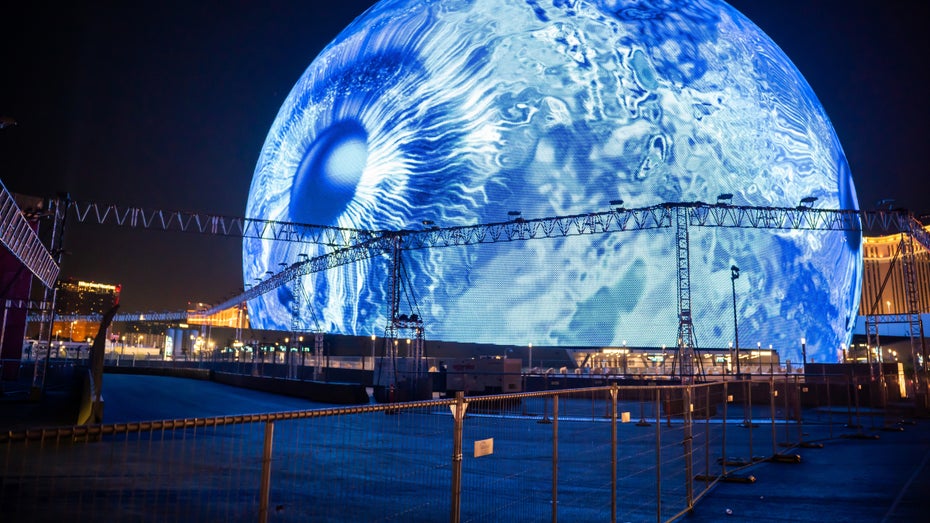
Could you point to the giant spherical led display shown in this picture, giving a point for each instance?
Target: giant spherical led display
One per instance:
(459, 112)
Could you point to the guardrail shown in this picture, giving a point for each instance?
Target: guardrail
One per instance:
(609, 453)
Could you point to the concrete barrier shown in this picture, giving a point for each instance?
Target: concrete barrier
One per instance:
(323, 392)
(175, 372)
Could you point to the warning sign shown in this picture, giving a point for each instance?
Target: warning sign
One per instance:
(484, 447)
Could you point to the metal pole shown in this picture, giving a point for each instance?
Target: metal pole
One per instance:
(772, 394)
(689, 451)
(613, 453)
(6, 308)
(749, 424)
(555, 458)
(458, 416)
(726, 402)
(787, 434)
(734, 274)
(658, 458)
(265, 492)
(707, 434)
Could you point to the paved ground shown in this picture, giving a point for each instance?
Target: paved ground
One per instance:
(849, 479)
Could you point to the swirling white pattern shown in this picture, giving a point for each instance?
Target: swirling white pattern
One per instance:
(459, 111)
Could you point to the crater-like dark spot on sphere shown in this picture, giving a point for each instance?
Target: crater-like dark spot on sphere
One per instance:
(285, 296)
(329, 173)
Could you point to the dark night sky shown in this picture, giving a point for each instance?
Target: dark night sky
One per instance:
(166, 105)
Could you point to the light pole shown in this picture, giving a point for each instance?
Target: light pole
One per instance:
(530, 366)
(734, 274)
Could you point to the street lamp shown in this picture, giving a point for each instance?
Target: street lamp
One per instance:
(803, 351)
(734, 274)
(530, 366)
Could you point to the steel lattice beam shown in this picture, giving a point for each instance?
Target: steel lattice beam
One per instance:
(126, 317)
(202, 223)
(699, 214)
(515, 230)
(23, 242)
(352, 245)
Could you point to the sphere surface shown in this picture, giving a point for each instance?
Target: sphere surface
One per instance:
(458, 112)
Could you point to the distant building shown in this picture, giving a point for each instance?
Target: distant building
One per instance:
(236, 316)
(879, 252)
(82, 298)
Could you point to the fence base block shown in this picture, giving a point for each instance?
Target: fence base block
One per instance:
(810, 445)
(738, 478)
(733, 462)
(785, 458)
(860, 435)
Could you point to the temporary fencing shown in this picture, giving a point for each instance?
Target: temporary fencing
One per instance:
(613, 453)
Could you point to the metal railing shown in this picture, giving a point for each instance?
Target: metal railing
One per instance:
(614, 453)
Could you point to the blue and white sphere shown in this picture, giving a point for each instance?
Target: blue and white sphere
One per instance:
(459, 111)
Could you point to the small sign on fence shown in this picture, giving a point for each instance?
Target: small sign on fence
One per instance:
(625, 417)
(484, 447)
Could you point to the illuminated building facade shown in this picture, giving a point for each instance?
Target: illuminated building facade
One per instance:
(83, 298)
(882, 268)
(235, 317)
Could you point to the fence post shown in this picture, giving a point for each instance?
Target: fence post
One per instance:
(749, 423)
(658, 456)
(772, 394)
(686, 408)
(856, 387)
(799, 414)
(613, 453)
(723, 444)
(555, 458)
(265, 493)
(458, 417)
(707, 417)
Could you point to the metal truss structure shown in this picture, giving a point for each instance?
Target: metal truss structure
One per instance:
(21, 239)
(202, 223)
(181, 316)
(353, 245)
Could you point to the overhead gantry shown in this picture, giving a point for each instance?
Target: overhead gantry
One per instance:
(352, 245)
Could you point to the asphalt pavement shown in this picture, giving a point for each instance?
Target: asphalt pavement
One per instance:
(863, 475)
(867, 476)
